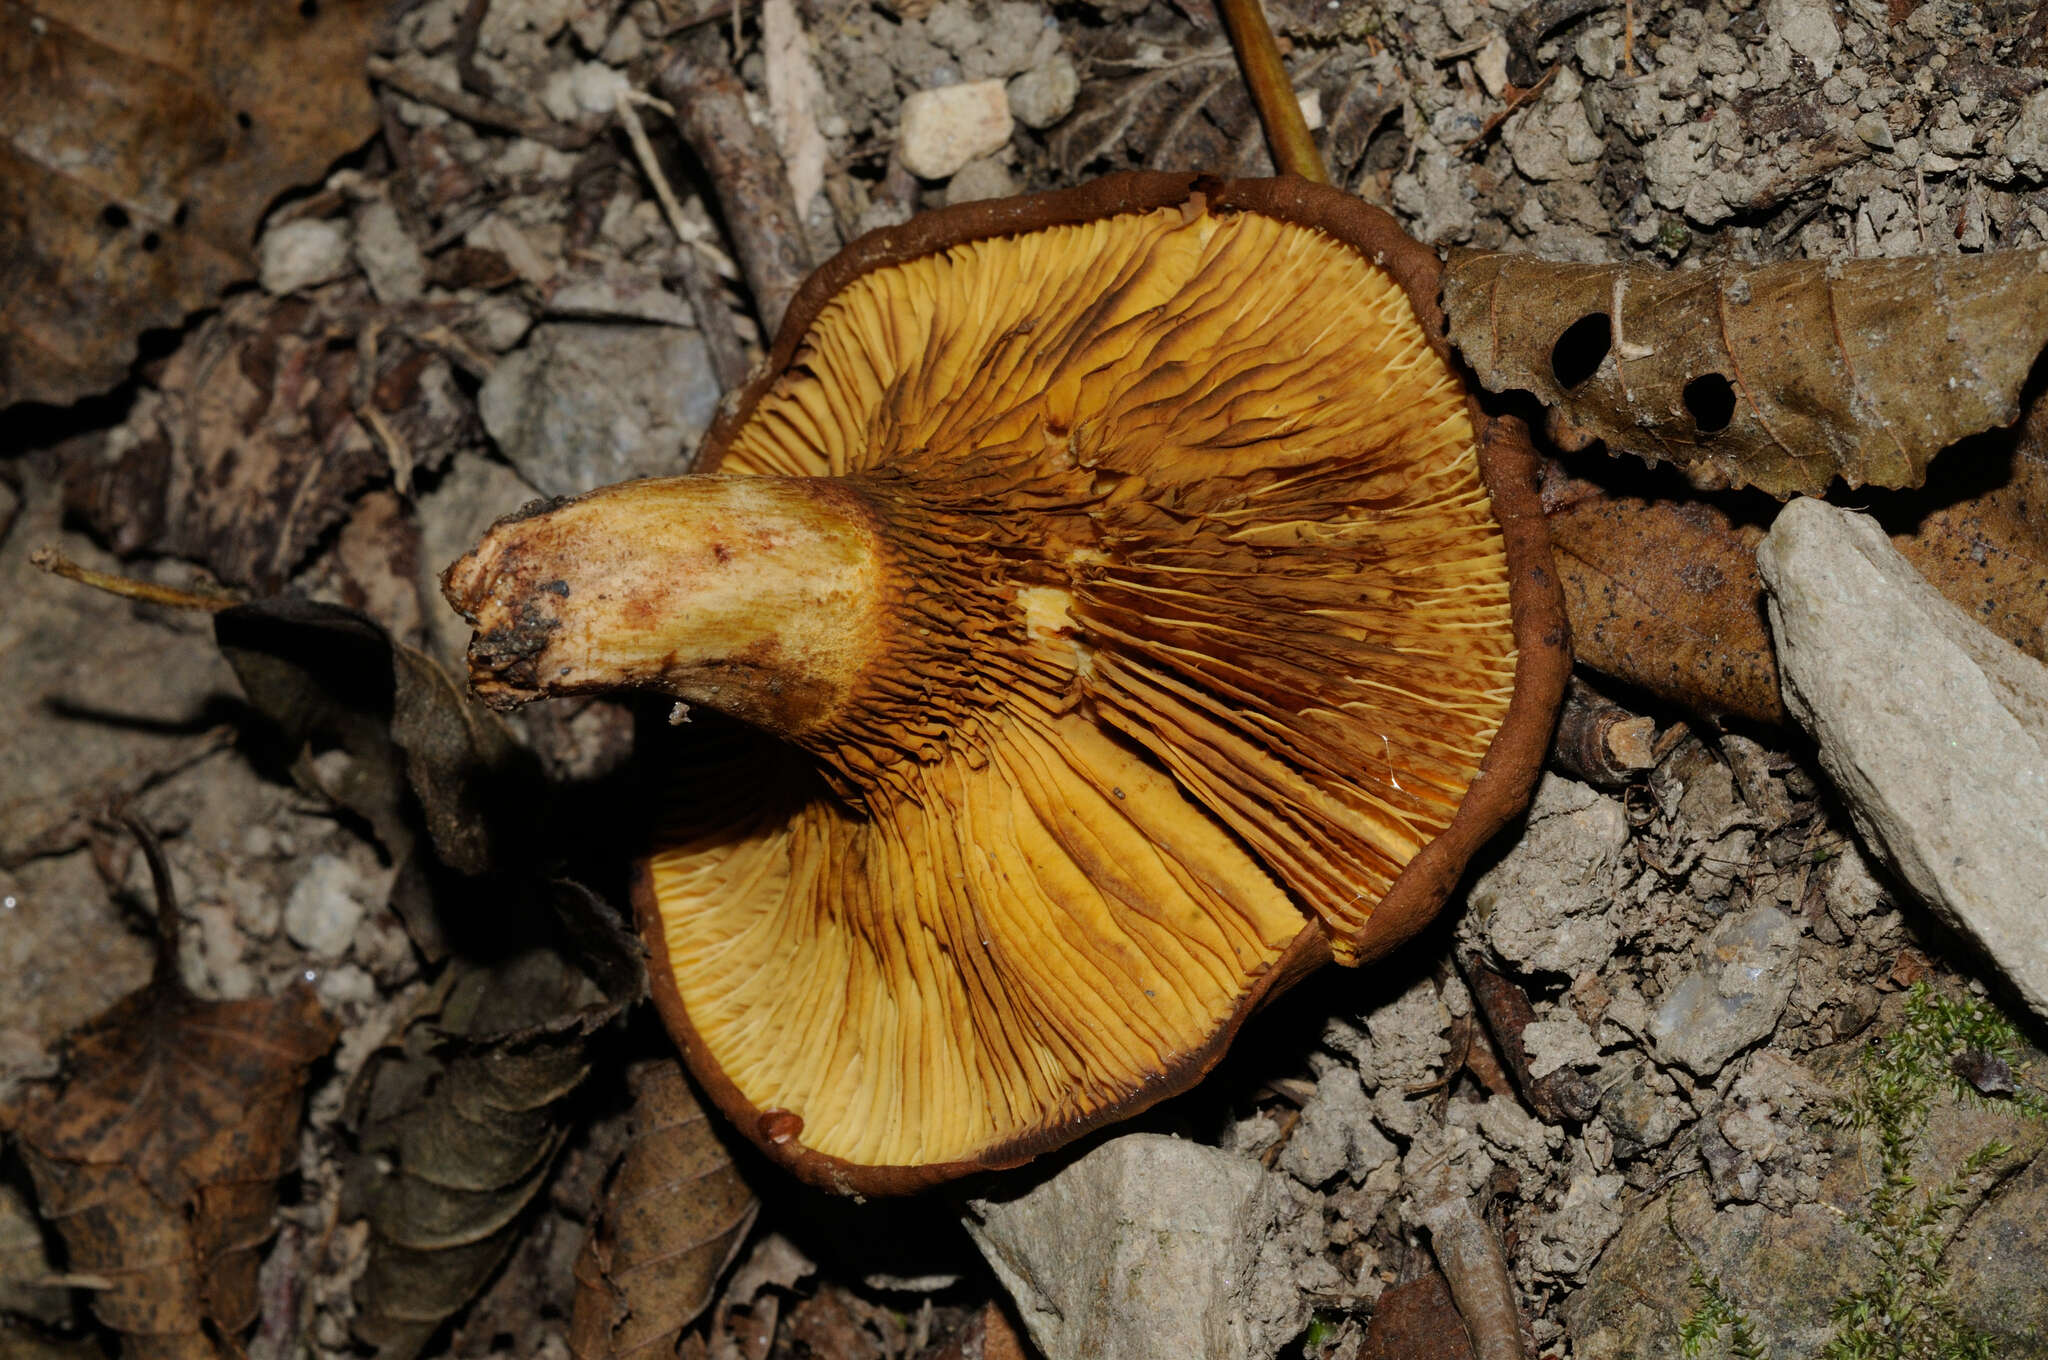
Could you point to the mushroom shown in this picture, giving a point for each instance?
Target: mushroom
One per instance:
(1126, 608)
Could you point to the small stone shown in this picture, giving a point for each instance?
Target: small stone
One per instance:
(2026, 141)
(303, 254)
(322, 913)
(1733, 995)
(1547, 906)
(1559, 1042)
(586, 405)
(1311, 104)
(1872, 129)
(1045, 94)
(1808, 28)
(985, 178)
(390, 258)
(1639, 1118)
(1335, 1133)
(943, 129)
(499, 323)
(1148, 1248)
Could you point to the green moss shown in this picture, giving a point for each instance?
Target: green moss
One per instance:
(1906, 1311)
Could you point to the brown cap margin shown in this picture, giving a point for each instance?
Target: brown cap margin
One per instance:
(1508, 466)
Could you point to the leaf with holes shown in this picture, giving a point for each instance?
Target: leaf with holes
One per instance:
(140, 142)
(1781, 376)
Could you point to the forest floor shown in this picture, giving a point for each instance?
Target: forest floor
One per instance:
(471, 316)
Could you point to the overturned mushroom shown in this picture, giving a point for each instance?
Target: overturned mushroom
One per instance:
(1131, 611)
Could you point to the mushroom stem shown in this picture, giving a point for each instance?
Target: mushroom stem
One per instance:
(756, 596)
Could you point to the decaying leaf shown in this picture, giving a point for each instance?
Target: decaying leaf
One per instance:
(158, 1159)
(1662, 587)
(251, 444)
(673, 1219)
(1781, 376)
(329, 677)
(140, 142)
(460, 1131)
(1663, 592)
(1417, 1320)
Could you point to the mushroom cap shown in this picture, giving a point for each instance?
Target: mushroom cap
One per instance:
(1220, 630)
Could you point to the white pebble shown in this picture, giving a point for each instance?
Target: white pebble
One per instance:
(322, 913)
(303, 254)
(944, 129)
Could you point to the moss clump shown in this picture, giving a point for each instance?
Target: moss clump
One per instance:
(1906, 1310)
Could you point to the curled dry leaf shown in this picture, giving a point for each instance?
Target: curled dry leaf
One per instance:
(673, 1219)
(158, 1159)
(140, 141)
(1781, 376)
(329, 677)
(459, 1134)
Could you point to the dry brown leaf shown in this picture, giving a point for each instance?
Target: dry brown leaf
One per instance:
(673, 1219)
(460, 1132)
(1662, 591)
(1417, 1321)
(251, 444)
(158, 1160)
(1781, 376)
(140, 142)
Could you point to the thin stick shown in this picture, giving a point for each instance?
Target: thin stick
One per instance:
(127, 587)
(1258, 57)
(643, 151)
(472, 109)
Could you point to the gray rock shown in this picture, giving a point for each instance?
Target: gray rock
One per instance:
(1546, 906)
(2026, 141)
(1148, 1248)
(985, 178)
(303, 254)
(1996, 1261)
(1733, 995)
(1786, 1267)
(585, 405)
(1639, 1117)
(1934, 729)
(1335, 1133)
(1045, 94)
(1808, 28)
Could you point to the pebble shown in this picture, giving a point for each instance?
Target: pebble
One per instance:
(303, 254)
(585, 405)
(1733, 995)
(1808, 28)
(943, 129)
(1335, 1133)
(389, 257)
(2026, 141)
(1045, 94)
(985, 178)
(322, 912)
(1148, 1248)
